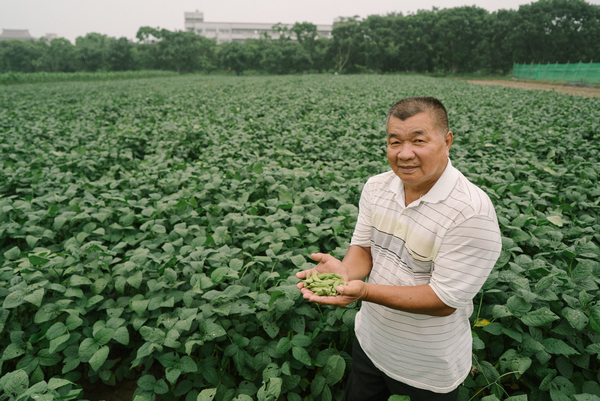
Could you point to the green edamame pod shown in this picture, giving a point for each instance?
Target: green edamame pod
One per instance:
(325, 283)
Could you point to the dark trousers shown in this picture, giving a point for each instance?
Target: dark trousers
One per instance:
(367, 383)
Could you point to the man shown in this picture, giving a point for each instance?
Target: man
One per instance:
(427, 239)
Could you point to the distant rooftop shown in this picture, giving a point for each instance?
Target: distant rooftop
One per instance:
(22, 34)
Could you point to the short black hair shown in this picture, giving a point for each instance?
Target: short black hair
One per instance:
(412, 106)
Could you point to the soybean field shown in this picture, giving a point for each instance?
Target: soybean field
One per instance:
(150, 231)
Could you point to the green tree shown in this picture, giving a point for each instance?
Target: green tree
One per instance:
(119, 55)
(558, 31)
(306, 34)
(285, 57)
(461, 39)
(180, 51)
(91, 51)
(347, 40)
(502, 40)
(379, 46)
(413, 35)
(235, 56)
(20, 55)
(321, 56)
(59, 56)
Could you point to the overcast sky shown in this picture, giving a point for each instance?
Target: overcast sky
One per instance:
(117, 18)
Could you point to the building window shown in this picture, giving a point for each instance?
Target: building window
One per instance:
(244, 31)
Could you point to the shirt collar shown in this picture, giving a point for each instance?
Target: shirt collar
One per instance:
(440, 190)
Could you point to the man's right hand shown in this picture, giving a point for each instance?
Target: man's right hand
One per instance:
(327, 264)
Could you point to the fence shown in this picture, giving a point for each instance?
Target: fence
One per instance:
(583, 72)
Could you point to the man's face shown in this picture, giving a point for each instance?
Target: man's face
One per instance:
(417, 151)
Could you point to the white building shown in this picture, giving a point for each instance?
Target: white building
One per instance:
(23, 34)
(19, 34)
(238, 31)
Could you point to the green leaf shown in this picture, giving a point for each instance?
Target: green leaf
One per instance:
(301, 355)
(172, 374)
(14, 299)
(301, 340)
(46, 313)
(139, 306)
(59, 222)
(135, 280)
(271, 328)
(31, 240)
(334, 369)
(56, 330)
(517, 305)
(99, 357)
(79, 280)
(87, 348)
(494, 328)
(93, 301)
(159, 229)
(56, 383)
(298, 260)
(46, 358)
(73, 322)
(520, 365)
(188, 365)
(127, 220)
(557, 221)
(12, 351)
(161, 387)
(146, 382)
(35, 297)
(56, 342)
(317, 385)
(283, 346)
(522, 397)
(594, 323)
(37, 260)
(15, 382)
(576, 318)
(585, 397)
(103, 336)
(213, 331)
(207, 394)
(121, 335)
(539, 317)
(397, 397)
(558, 347)
(558, 395)
(13, 253)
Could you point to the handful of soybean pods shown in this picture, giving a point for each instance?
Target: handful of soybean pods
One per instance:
(324, 283)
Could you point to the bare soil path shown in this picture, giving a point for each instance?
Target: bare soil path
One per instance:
(558, 87)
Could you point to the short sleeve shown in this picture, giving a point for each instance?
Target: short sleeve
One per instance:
(467, 255)
(362, 230)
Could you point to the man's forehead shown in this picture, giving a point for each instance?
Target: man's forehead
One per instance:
(418, 122)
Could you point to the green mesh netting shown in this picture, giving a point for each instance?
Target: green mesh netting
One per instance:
(584, 72)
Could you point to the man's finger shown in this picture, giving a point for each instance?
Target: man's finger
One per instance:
(321, 257)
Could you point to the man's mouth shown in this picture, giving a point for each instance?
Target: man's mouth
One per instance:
(408, 169)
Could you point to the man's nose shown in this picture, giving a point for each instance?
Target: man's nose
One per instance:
(406, 152)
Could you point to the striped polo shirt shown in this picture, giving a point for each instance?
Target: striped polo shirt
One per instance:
(449, 239)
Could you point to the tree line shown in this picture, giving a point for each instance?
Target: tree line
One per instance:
(455, 40)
